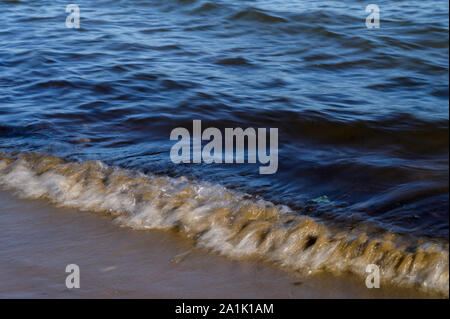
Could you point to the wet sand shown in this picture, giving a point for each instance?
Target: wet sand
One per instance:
(39, 240)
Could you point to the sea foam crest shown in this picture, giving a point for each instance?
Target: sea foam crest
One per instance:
(225, 221)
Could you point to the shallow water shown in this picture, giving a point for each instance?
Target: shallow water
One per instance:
(39, 241)
(362, 114)
(228, 222)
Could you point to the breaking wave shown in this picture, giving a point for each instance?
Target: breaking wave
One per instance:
(225, 221)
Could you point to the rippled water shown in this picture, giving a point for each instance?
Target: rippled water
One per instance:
(362, 113)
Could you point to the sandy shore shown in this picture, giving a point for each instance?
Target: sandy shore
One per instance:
(39, 240)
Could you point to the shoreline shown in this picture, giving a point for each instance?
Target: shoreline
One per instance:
(227, 222)
(118, 262)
